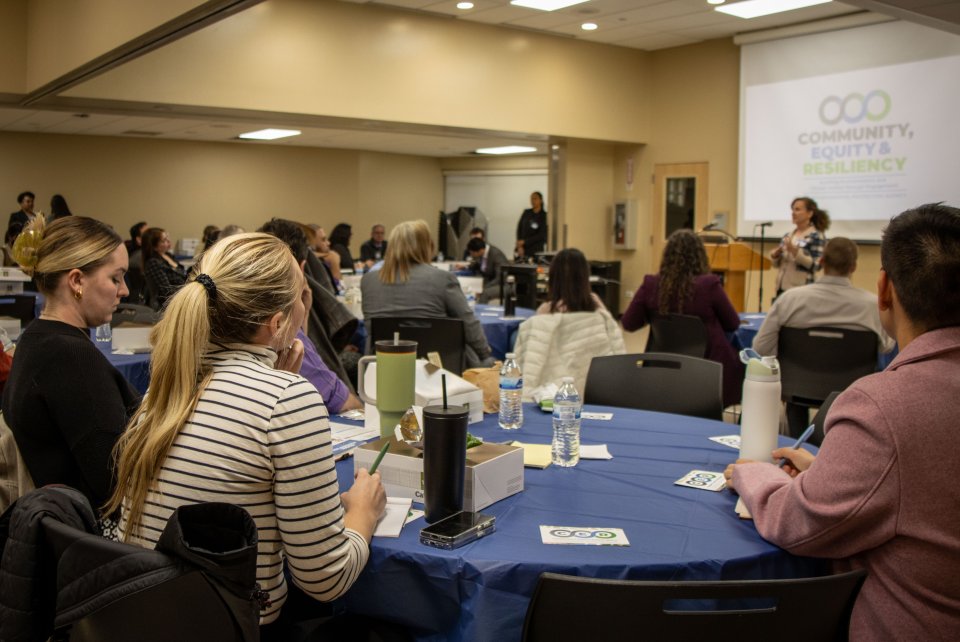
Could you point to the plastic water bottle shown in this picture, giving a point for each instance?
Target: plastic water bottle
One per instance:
(566, 425)
(760, 417)
(511, 389)
(104, 335)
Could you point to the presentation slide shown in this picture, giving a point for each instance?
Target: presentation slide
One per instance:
(865, 143)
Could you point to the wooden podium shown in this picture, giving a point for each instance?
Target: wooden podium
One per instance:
(733, 260)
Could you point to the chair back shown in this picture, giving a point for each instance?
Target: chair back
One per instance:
(578, 608)
(656, 381)
(678, 334)
(816, 361)
(18, 306)
(445, 336)
(821, 417)
(132, 313)
(526, 284)
(113, 591)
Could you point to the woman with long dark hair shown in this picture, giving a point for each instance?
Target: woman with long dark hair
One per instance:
(59, 208)
(569, 285)
(340, 243)
(163, 274)
(798, 255)
(685, 285)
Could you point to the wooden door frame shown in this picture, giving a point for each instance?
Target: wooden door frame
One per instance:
(661, 172)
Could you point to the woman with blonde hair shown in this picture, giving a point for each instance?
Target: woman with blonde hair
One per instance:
(408, 286)
(686, 286)
(64, 402)
(228, 419)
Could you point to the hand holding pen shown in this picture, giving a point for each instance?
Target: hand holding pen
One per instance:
(795, 460)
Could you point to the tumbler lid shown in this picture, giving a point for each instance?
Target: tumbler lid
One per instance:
(450, 412)
(401, 346)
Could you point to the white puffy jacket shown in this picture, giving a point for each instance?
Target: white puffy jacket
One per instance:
(551, 346)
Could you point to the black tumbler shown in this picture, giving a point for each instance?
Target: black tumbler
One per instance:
(444, 460)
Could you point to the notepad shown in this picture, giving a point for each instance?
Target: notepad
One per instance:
(394, 517)
(535, 455)
(741, 509)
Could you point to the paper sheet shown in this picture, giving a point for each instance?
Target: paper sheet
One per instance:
(595, 451)
(535, 455)
(394, 517)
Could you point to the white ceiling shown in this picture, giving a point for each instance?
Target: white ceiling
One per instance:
(640, 24)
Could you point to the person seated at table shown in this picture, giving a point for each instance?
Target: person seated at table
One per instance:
(228, 419)
(486, 260)
(830, 301)
(569, 285)
(340, 243)
(408, 286)
(475, 233)
(336, 393)
(161, 272)
(798, 256)
(211, 233)
(373, 249)
(569, 329)
(63, 401)
(685, 285)
(879, 495)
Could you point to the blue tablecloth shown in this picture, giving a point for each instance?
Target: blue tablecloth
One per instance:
(481, 591)
(750, 323)
(135, 368)
(501, 332)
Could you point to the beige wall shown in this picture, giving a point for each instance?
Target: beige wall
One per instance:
(370, 62)
(183, 186)
(65, 34)
(13, 46)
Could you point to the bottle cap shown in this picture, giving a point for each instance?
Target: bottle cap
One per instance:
(511, 355)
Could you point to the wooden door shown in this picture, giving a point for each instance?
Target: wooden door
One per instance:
(680, 200)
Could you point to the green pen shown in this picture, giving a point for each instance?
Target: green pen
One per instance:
(376, 462)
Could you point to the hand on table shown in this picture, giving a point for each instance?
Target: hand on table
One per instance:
(728, 472)
(364, 503)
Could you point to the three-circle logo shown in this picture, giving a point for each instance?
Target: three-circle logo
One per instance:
(855, 107)
(582, 534)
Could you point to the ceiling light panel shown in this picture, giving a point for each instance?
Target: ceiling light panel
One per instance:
(269, 134)
(756, 8)
(546, 5)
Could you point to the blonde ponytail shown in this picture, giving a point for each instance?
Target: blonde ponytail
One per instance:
(248, 278)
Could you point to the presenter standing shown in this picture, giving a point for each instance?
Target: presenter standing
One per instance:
(798, 255)
(532, 229)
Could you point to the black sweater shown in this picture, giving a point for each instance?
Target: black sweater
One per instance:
(66, 406)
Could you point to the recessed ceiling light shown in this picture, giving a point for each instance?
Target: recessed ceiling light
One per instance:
(715, 1)
(589, 26)
(464, 5)
(545, 5)
(509, 149)
(756, 8)
(269, 134)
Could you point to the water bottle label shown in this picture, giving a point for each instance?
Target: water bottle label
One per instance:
(511, 383)
(566, 413)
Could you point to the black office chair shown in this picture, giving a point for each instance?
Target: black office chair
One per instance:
(656, 381)
(578, 608)
(817, 361)
(678, 334)
(525, 283)
(445, 336)
(131, 313)
(821, 417)
(19, 306)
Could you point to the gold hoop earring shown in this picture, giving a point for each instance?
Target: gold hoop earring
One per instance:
(78, 294)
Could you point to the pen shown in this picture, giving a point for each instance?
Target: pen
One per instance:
(803, 438)
(376, 462)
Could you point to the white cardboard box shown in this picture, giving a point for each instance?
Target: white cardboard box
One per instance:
(132, 338)
(493, 471)
(429, 392)
(12, 280)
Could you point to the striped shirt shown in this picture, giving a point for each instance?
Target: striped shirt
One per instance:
(259, 438)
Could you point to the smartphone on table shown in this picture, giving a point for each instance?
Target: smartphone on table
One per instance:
(458, 529)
